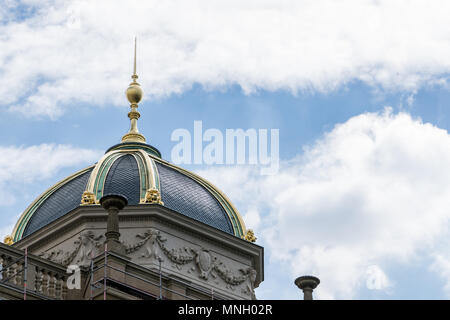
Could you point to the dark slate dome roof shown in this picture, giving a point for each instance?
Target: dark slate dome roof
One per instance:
(133, 169)
(61, 201)
(123, 178)
(182, 194)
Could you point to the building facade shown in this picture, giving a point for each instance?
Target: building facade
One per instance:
(179, 237)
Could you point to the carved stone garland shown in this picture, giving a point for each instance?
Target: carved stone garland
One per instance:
(87, 247)
(154, 243)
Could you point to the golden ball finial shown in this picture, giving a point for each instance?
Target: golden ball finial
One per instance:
(134, 93)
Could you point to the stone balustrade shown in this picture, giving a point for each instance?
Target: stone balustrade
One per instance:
(44, 279)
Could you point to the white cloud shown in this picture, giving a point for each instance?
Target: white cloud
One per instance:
(441, 266)
(64, 51)
(6, 229)
(29, 164)
(20, 166)
(371, 193)
(252, 219)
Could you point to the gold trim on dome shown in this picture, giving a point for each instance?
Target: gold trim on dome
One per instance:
(250, 236)
(150, 175)
(8, 240)
(148, 170)
(152, 187)
(95, 172)
(153, 196)
(87, 198)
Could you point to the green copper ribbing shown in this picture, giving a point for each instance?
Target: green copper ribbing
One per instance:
(103, 171)
(143, 175)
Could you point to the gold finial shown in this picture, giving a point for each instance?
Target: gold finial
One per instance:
(87, 198)
(134, 95)
(8, 240)
(250, 236)
(153, 196)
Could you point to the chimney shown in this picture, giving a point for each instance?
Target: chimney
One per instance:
(113, 203)
(307, 284)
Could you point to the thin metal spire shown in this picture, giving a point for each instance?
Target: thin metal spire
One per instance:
(134, 69)
(134, 95)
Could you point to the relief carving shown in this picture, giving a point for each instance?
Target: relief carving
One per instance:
(56, 256)
(152, 241)
(87, 246)
(250, 285)
(150, 244)
(230, 278)
(207, 264)
(203, 260)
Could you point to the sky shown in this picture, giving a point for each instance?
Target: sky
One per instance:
(358, 90)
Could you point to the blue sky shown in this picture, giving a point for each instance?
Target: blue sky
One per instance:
(358, 91)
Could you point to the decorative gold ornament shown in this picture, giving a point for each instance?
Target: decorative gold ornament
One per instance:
(153, 196)
(134, 114)
(250, 236)
(134, 95)
(87, 198)
(133, 137)
(134, 92)
(8, 240)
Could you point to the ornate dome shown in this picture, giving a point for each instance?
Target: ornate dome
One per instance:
(136, 171)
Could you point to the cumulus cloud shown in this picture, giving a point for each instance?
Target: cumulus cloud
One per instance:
(57, 52)
(441, 265)
(371, 193)
(22, 167)
(6, 229)
(38, 162)
(25, 165)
